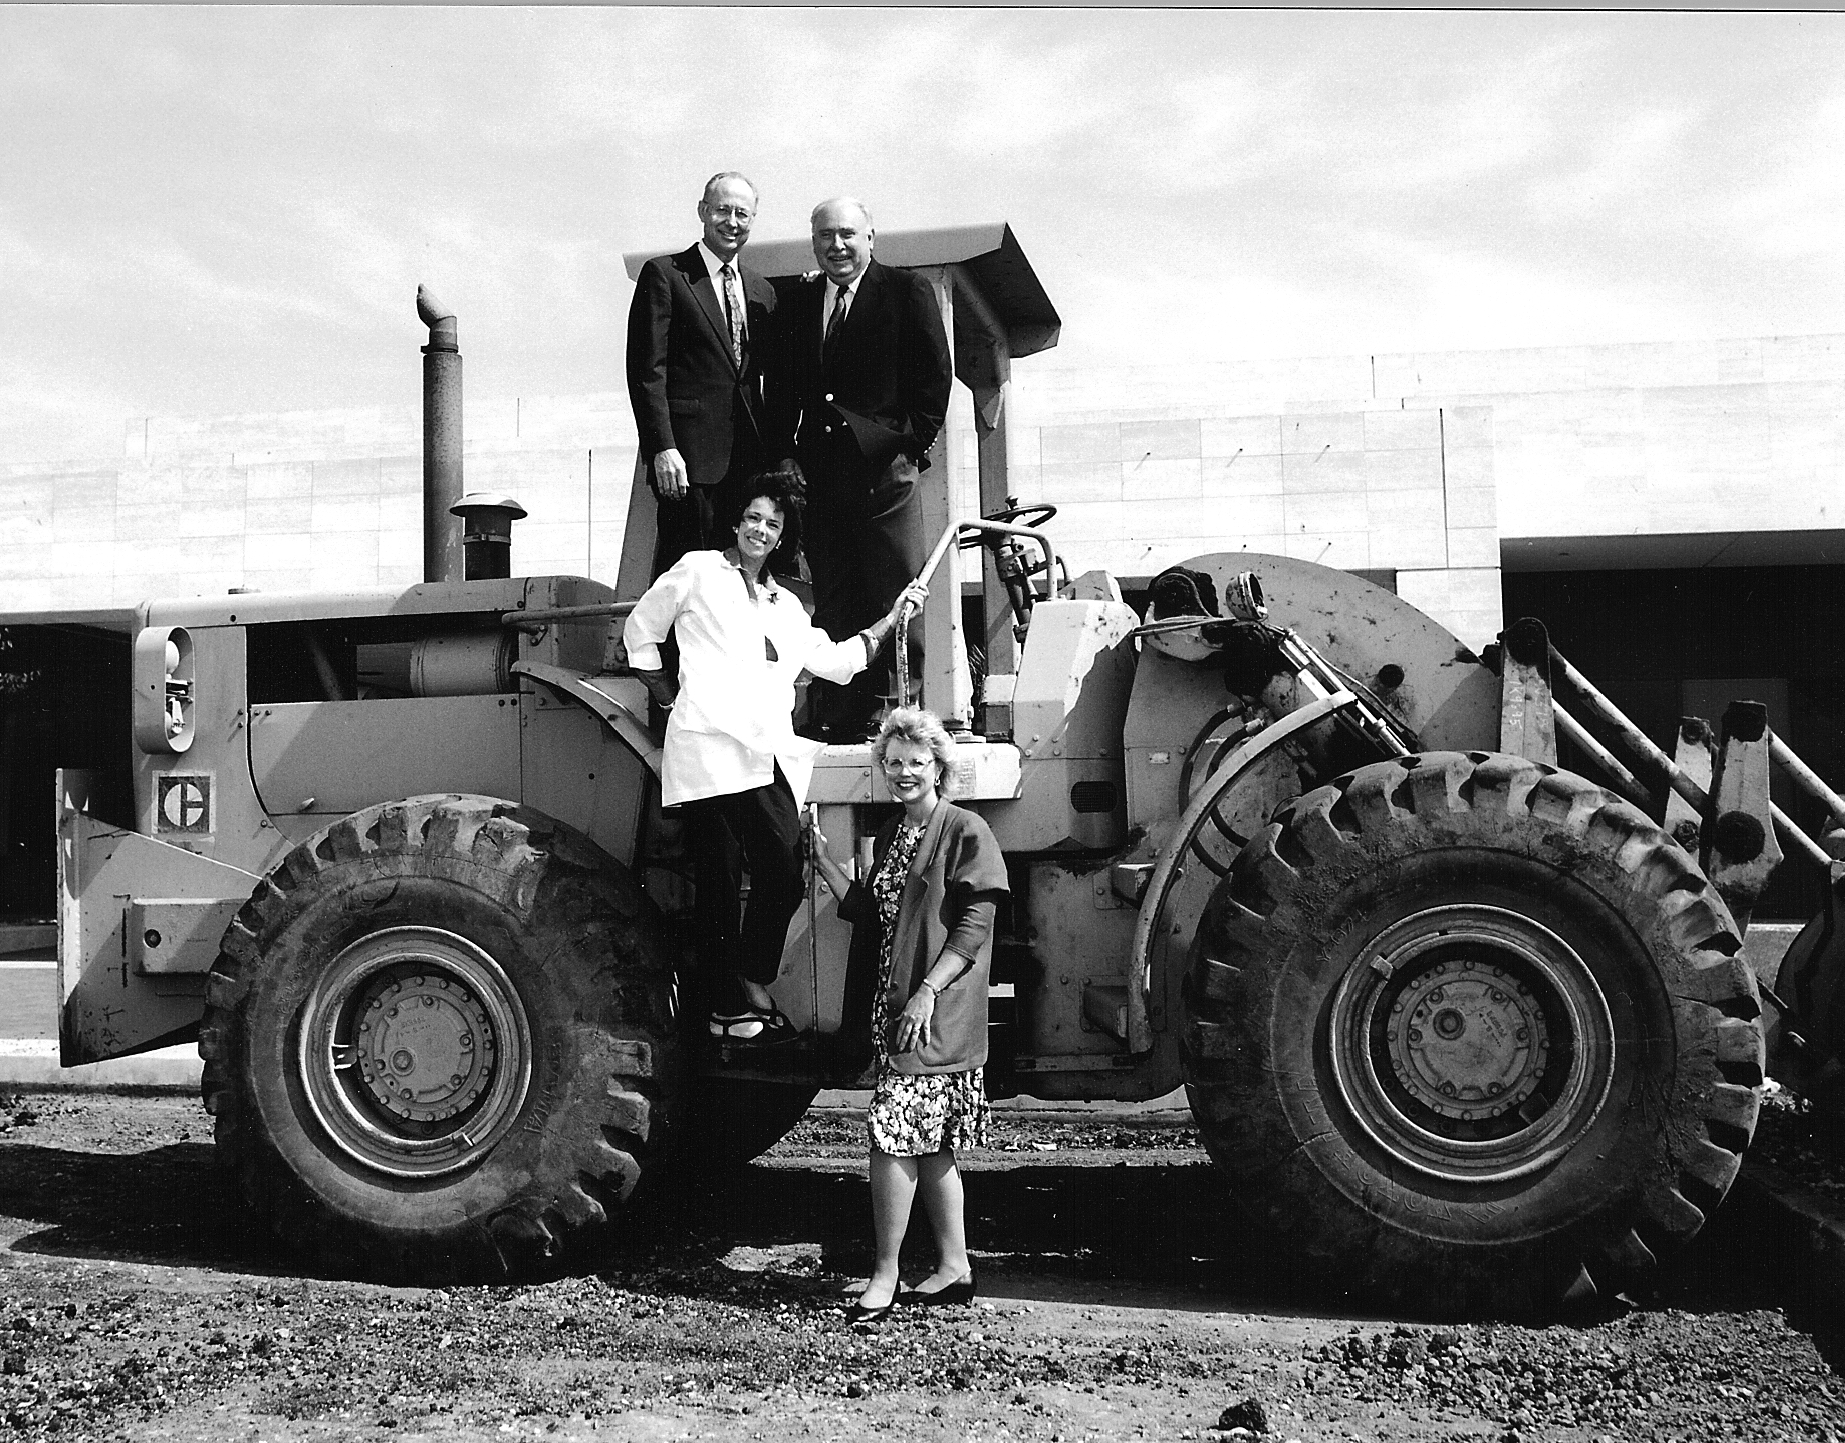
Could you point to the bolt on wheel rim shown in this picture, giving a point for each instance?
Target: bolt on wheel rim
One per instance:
(1471, 1043)
(414, 1051)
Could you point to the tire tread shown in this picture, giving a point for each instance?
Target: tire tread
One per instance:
(532, 866)
(1347, 825)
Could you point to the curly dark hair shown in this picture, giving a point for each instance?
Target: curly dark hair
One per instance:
(784, 488)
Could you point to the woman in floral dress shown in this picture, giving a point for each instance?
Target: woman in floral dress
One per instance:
(927, 908)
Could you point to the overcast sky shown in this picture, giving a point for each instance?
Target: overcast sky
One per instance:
(214, 210)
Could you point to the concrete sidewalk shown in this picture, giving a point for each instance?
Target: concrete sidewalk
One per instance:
(33, 1063)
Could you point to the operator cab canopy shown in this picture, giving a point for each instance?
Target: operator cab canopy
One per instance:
(995, 289)
(999, 311)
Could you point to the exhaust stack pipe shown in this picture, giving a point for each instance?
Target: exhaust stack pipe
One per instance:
(486, 534)
(441, 440)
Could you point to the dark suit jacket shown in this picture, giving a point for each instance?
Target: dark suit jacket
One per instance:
(889, 370)
(686, 391)
(949, 894)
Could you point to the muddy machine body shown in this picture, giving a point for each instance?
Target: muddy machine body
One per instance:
(1466, 1030)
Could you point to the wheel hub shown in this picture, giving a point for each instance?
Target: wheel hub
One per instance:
(1468, 1040)
(425, 1047)
(414, 1051)
(1471, 1043)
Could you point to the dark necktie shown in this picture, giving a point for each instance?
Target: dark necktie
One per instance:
(833, 321)
(733, 312)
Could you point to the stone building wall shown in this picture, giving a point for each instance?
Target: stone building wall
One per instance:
(1423, 466)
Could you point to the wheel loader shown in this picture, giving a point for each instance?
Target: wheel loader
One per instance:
(1465, 1033)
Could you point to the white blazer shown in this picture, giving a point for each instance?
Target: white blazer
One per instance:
(741, 650)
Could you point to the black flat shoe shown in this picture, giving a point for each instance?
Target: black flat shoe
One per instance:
(964, 1291)
(774, 1028)
(859, 1313)
(736, 1027)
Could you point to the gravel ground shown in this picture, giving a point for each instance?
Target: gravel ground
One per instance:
(1807, 1146)
(135, 1302)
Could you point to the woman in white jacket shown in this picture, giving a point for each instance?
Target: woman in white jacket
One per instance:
(732, 760)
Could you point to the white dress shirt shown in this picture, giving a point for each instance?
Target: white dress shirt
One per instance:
(714, 266)
(733, 720)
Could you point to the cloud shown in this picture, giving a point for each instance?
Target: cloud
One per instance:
(48, 412)
(1796, 209)
(227, 209)
(1484, 302)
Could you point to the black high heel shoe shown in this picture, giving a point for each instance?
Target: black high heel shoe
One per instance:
(964, 1291)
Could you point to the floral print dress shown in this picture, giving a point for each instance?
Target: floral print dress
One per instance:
(914, 1115)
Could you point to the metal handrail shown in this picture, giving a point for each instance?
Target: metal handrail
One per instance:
(903, 654)
(953, 531)
(951, 535)
(540, 615)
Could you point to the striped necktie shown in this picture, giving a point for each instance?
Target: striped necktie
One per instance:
(733, 312)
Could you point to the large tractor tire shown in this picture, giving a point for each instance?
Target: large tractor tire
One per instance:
(1471, 1035)
(439, 1042)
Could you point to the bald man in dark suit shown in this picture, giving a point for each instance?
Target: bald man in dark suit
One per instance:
(868, 372)
(697, 331)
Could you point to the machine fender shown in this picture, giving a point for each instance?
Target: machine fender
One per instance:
(620, 702)
(1154, 931)
(137, 922)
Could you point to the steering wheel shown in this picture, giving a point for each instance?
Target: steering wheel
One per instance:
(1015, 515)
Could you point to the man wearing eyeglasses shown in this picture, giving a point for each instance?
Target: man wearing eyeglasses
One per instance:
(696, 336)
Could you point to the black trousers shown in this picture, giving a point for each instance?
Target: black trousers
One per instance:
(758, 830)
(692, 522)
(865, 543)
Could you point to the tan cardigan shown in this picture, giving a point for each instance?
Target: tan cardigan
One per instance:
(958, 867)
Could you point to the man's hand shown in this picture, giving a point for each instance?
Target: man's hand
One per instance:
(669, 478)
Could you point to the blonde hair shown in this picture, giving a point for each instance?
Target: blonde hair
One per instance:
(923, 729)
